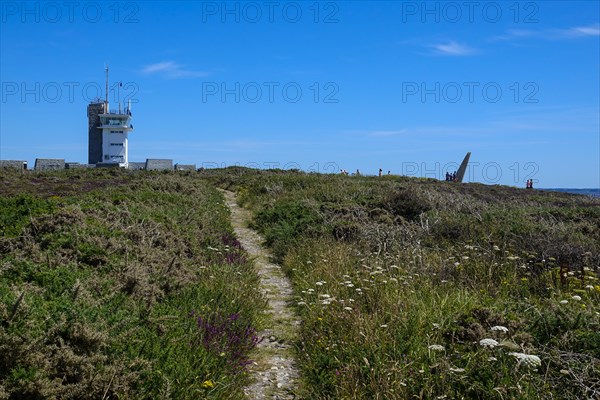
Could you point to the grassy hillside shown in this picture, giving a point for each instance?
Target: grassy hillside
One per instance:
(412, 288)
(121, 285)
(117, 284)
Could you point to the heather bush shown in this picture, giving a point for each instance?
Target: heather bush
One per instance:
(100, 270)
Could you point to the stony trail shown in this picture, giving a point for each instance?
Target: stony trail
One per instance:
(274, 372)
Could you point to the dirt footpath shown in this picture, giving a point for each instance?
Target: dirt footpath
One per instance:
(274, 372)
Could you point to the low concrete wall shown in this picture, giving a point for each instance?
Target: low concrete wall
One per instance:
(155, 164)
(19, 165)
(49, 164)
(76, 165)
(136, 166)
(185, 167)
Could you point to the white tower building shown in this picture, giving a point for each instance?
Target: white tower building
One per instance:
(109, 138)
(115, 126)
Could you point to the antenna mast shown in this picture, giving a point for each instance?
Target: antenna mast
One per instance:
(106, 101)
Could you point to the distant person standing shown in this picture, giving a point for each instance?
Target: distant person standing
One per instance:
(357, 172)
(380, 172)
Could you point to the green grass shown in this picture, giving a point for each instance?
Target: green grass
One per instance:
(398, 280)
(100, 272)
(131, 285)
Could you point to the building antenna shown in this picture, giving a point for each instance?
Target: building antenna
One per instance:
(106, 101)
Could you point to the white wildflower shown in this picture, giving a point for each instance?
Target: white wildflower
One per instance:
(436, 347)
(589, 287)
(492, 359)
(325, 296)
(457, 369)
(319, 283)
(301, 303)
(348, 308)
(491, 343)
(383, 326)
(499, 328)
(576, 298)
(529, 360)
(564, 302)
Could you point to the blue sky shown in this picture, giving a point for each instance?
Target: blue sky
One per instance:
(404, 86)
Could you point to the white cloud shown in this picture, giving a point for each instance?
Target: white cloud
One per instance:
(551, 34)
(590, 30)
(172, 70)
(453, 49)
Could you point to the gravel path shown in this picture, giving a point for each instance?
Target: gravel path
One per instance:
(275, 372)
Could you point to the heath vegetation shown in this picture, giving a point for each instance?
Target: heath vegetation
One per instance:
(117, 284)
(122, 285)
(414, 288)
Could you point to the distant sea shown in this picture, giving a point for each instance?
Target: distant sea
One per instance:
(586, 192)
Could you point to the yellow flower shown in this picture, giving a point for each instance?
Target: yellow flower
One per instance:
(208, 384)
